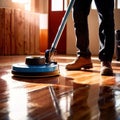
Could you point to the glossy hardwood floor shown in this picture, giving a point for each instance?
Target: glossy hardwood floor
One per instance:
(74, 95)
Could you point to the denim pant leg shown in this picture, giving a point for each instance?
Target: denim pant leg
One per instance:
(106, 29)
(81, 11)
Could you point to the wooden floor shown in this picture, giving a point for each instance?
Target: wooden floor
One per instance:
(74, 95)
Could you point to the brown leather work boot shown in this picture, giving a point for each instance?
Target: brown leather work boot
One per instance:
(106, 68)
(79, 63)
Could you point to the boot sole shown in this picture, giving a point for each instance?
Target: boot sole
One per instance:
(87, 66)
(106, 72)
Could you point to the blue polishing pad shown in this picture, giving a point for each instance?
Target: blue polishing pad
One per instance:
(23, 68)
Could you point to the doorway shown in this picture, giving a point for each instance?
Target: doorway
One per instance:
(56, 12)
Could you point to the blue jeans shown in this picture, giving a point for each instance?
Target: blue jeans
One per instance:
(105, 10)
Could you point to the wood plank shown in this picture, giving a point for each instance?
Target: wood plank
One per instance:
(19, 31)
(32, 34)
(2, 30)
(27, 34)
(13, 40)
(8, 32)
(37, 34)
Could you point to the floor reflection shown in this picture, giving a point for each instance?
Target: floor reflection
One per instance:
(77, 104)
(17, 104)
(107, 104)
(79, 109)
(59, 80)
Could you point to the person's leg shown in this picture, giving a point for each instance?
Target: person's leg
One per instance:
(106, 33)
(106, 29)
(81, 11)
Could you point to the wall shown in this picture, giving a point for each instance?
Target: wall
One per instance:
(117, 19)
(40, 6)
(10, 4)
(28, 39)
(19, 32)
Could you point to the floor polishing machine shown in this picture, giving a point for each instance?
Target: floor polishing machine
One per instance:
(42, 66)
